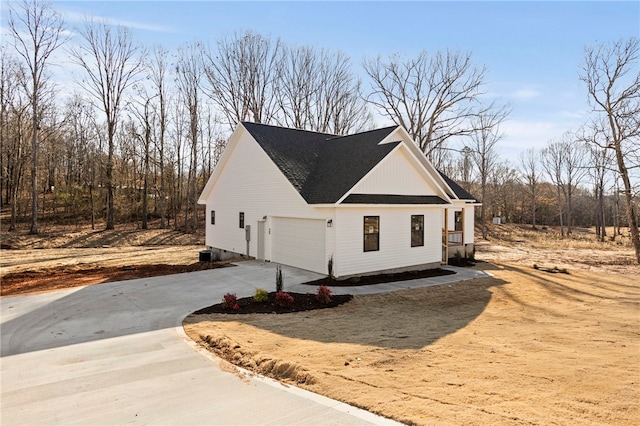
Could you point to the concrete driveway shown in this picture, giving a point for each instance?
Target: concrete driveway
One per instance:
(116, 354)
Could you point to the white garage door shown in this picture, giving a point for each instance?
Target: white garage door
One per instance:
(299, 243)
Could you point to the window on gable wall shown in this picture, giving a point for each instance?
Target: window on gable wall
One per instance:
(213, 217)
(241, 220)
(371, 233)
(417, 230)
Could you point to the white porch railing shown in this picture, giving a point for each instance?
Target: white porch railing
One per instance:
(454, 238)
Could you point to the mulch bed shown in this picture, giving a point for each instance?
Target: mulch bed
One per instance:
(382, 278)
(301, 302)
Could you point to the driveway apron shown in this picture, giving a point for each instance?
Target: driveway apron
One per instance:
(116, 354)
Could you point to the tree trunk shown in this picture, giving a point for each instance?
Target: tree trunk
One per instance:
(533, 206)
(109, 176)
(93, 210)
(145, 190)
(483, 222)
(34, 173)
(631, 214)
(560, 212)
(569, 208)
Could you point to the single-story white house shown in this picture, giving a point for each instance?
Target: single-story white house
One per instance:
(370, 201)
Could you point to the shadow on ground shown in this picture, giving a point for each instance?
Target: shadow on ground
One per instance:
(405, 319)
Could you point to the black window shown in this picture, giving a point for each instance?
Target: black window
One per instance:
(241, 220)
(371, 233)
(213, 217)
(417, 230)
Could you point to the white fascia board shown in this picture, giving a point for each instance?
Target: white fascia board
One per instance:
(217, 171)
(390, 137)
(324, 205)
(392, 206)
(414, 153)
(429, 172)
(439, 181)
(411, 145)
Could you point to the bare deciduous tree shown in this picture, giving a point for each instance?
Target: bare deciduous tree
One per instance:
(433, 97)
(13, 129)
(37, 30)
(112, 62)
(189, 73)
(317, 91)
(575, 169)
(564, 163)
(83, 158)
(143, 110)
(613, 82)
(599, 167)
(241, 76)
(530, 172)
(158, 74)
(483, 142)
(552, 157)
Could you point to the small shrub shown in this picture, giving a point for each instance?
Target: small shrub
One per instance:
(279, 280)
(472, 255)
(261, 295)
(457, 259)
(284, 299)
(229, 301)
(323, 294)
(330, 268)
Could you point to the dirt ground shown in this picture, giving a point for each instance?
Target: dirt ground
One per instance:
(61, 258)
(522, 347)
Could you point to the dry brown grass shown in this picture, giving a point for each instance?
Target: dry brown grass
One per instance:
(523, 347)
(545, 247)
(550, 237)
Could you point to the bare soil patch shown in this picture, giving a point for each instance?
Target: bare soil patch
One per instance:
(67, 277)
(521, 347)
(62, 258)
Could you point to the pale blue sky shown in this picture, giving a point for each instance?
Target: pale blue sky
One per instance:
(532, 50)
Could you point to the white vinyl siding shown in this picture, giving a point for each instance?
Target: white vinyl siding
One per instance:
(299, 242)
(395, 239)
(469, 222)
(396, 174)
(251, 183)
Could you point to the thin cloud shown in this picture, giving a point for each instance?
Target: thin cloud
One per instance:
(81, 18)
(526, 93)
(521, 134)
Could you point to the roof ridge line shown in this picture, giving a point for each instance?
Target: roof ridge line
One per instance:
(362, 133)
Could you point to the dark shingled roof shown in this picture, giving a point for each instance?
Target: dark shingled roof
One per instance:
(459, 191)
(323, 167)
(392, 199)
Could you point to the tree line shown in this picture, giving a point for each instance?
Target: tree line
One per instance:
(142, 128)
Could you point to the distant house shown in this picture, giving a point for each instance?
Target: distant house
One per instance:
(370, 201)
